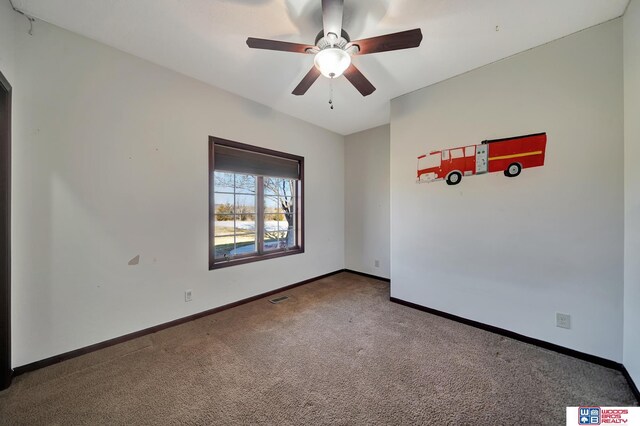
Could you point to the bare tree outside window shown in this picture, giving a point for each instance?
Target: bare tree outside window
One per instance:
(280, 193)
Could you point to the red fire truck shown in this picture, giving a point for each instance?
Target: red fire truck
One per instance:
(509, 155)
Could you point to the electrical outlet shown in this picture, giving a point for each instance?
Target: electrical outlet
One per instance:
(187, 296)
(563, 320)
(376, 263)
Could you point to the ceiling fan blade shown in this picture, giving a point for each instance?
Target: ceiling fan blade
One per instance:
(359, 81)
(332, 17)
(306, 82)
(284, 46)
(396, 41)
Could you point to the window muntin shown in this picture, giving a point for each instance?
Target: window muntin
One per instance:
(253, 216)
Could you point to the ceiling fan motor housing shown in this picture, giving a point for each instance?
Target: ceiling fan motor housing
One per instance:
(322, 42)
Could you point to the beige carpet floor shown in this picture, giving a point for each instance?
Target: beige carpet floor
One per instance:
(337, 352)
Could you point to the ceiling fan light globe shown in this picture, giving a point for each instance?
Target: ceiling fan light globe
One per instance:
(332, 62)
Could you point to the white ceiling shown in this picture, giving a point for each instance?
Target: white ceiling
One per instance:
(205, 39)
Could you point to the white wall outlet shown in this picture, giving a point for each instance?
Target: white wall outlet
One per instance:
(376, 263)
(563, 320)
(188, 295)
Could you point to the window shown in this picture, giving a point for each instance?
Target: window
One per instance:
(456, 153)
(255, 203)
(470, 151)
(428, 161)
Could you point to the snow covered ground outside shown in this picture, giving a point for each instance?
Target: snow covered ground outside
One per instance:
(246, 234)
(270, 225)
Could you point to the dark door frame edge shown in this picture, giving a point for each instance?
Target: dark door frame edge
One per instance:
(6, 373)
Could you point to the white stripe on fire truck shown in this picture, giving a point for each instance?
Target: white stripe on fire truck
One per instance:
(524, 154)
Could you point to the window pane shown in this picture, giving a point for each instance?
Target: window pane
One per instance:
(287, 187)
(272, 206)
(223, 181)
(273, 219)
(274, 239)
(223, 204)
(245, 204)
(271, 224)
(290, 226)
(278, 186)
(245, 184)
(223, 246)
(277, 208)
(245, 224)
(287, 204)
(245, 244)
(223, 224)
(270, 186)
(289, 218)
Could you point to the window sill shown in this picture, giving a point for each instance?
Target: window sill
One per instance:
(250, 259)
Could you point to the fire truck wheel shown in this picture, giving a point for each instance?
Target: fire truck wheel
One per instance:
(513, 170)
(454, 178)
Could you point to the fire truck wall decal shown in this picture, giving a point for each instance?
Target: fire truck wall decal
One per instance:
(508, 155)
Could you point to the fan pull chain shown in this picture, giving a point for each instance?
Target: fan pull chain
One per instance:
(331, 93)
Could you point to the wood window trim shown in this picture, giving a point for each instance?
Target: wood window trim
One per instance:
(213, 264)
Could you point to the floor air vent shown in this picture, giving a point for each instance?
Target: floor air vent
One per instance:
(279, 299)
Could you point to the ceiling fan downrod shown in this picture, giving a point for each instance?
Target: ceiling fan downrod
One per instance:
(331, 93)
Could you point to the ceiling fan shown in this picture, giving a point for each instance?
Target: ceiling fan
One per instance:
(333, 49)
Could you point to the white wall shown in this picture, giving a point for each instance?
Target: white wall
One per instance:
(513, 252)
(110, 159)
(632, 190)
(110, 162)
(7, 29)
(367, 207)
